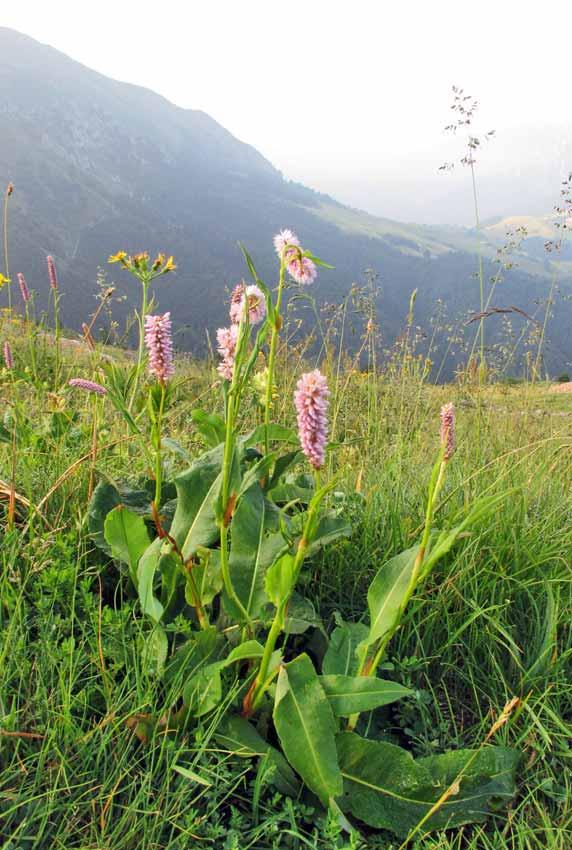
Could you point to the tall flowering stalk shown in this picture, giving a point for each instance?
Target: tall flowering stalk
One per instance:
(368, 666)
(145, 270)
(97, 391)
(6, 278)
(26, 298)
(303, 270)
(8, 357)
(159, 343)
(311, 402)
(55, 290)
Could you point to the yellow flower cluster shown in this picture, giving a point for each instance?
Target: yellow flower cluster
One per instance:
(139, 263)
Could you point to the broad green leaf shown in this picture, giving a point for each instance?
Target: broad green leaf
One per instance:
(353, 694)
(301, 616)
(204, 690)
(330, 527)
(170, 445)
(282, 465)
(340, 657)
(276, 434)
(210, 425)
(306, 728)
(190, 774)
(172, 582)
(190, 657)
(255, 545)
(387, 592)
(106, 497)
(194, 523)
(242, 739)
(127, 536)
(280, 580)
(146, 571)
(248, 649)
(386, 788)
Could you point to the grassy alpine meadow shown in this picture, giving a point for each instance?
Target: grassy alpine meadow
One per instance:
(278, 599)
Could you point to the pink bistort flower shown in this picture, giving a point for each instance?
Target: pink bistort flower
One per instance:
(88, 386)
(448, 430)
(256, 303)
(302, 269)
(227, 339)
(284, 238)
(312, 399)
(24, 291)
(8, 358)
(52, 273)
(160, 346)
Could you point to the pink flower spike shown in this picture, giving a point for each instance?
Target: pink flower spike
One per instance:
(88, 386)
(159, 344)
(302, 269)
(448, 430)
(25, 292)
(227, 339)
(284, 238)
(256, 304)
(52, 274)
(8, 358)
(312, 399)
(237, 303)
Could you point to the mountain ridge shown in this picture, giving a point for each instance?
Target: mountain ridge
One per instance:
(101, 165)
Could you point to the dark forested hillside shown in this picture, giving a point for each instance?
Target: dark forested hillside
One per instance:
(100, 165)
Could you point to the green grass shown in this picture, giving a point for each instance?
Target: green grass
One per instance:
(492, 623)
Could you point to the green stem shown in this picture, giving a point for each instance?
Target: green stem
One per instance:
(228, 458)
(276, 326)
(6, 265)
(158, 456)
(368, 667)
(141, 349)
(262, 679)
(57, 333)
(481, 272)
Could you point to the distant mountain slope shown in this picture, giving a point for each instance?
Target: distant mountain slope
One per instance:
(101, 165)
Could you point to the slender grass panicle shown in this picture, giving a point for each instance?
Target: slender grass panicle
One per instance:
(448, 430)
(8, 357)
(227, 339)
(87, 386)
(24, 291)
(52, 273)
(312, 399)
(158, 339)
(256, 304)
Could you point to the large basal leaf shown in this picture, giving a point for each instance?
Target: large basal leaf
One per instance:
(207, 576)
(194, 523)
(242, 739)
(127, 536)
(340, 657)
(353, 694)
(106, 497)
(276, 433)
(387, 592)
(386, 788)
(146, 570)
(306, 728)
(255, 545)
(330, 527)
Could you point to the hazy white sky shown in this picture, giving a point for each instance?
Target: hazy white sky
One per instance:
(324, 86)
